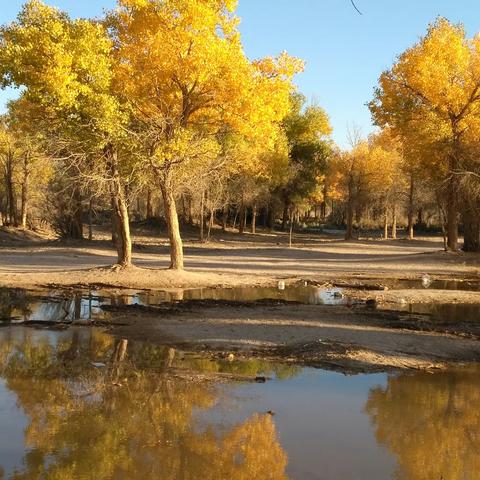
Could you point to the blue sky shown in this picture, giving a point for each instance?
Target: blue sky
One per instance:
(344, 52)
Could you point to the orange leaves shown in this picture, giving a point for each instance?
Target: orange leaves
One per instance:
(182, 61)
(440, 75)
(431, 97)
(181, 67)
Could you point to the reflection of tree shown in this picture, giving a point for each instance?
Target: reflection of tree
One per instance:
(13, 303)
(123, 421)
(431, 423)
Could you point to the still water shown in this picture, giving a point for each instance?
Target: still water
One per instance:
(19, 305)
(80, 404)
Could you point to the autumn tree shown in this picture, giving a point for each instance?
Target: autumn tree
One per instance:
(64, 68)
(307, 128)
(348, 177)
(33, 165)
(435, 86)
(9, 163)
(388, 183)
(181, 67)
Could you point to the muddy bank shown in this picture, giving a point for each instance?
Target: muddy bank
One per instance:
(404, 296)
(304, 324)
(346, 338)
(130, 278)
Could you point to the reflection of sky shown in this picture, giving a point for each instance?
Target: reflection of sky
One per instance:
(320, 421)
(12, 425)
(63, 309)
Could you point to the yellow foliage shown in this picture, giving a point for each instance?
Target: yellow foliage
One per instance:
(431, 96)
(180, 64)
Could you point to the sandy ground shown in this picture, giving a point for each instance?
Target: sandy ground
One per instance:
(353, 339)
(229, 260)
(349, 339)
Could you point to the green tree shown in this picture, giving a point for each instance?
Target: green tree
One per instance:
(306, 128)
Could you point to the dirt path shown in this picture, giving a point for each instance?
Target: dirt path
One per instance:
(233, 260)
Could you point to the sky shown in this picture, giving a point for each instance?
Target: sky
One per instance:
(344, 52)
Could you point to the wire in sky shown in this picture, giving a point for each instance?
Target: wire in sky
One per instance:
(355, 7)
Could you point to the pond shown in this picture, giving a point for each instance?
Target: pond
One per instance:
(18, 305)
(83, 306)
(81, 404)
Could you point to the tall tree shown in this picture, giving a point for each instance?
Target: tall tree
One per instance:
(435, 86)
(307, 128)
(64, 67)
(182, 69)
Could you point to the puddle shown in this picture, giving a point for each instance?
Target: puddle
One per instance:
(308, 294)
(461, 284)
(442, 312)
(81, 404)
(17, 305)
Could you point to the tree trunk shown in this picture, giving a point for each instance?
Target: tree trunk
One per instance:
(286, 206)
(25, 190)
(350, 211)
(290, 233)
(139, 207)
(271, 218)
(420, 216)
(394, 221)
(323, 206)
(410, 208)
(190, 210)
(176, 245)
(90, 219)
(254, 218)
(385, 223)
(76, 230)
(12, 206)
(127, 198)
(184, 209)
(235, 218)
(452, 191)
(442, 220)
(118, 357)
(242, 218)
(202, 209)
(471, 227)
(349, 232)
(210, 224)
(149, 213)
(452, 213)
(224, 219)
(120, 220)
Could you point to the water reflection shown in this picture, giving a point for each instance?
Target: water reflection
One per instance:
(94, 412)
(431, 423)
(14, 303)
(17, 305)
(438, 284)
(445, 313)
(79, 404)
(306, 294)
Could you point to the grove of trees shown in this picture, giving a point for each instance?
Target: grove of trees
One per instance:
(155, 111)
